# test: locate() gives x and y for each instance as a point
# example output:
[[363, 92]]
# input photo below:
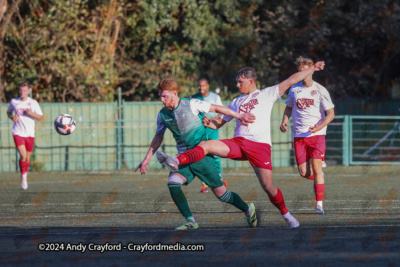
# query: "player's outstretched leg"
[[169, 162], [190, 156]]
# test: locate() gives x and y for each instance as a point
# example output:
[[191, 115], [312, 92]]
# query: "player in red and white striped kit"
[[26, 110], [307, 102]]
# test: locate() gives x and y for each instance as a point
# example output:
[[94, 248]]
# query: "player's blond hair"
[[167, 84], [301, 61]]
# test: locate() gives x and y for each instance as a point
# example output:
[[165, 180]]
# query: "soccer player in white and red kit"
[[307, 102], [26, 110], [251, 142]]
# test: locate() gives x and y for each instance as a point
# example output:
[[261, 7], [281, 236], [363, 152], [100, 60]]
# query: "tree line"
[[84, 50]]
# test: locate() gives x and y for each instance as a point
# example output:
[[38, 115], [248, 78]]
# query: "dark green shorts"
[[212, 134], [206, 169]]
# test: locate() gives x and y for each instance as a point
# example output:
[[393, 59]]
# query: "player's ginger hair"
[[301, 61], [167, 84]]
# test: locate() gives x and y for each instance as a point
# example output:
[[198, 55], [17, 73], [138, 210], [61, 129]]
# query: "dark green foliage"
[[83, 50]]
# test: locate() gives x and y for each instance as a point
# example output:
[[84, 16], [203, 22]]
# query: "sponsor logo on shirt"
[[248, 106], [303, 103], [20, 111]]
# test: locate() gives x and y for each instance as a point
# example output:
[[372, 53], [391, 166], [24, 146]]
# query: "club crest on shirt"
[[248, 106], [313, 93], [303, 103]]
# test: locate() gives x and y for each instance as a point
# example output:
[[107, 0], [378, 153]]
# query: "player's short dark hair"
[[23, 85], [248, 73], [203, 79]]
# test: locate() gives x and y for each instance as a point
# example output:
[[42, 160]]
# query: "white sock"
[[318, 203], [287, 215], [24, 181]]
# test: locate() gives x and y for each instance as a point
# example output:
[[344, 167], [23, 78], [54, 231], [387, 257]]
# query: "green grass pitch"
[[361, 224]]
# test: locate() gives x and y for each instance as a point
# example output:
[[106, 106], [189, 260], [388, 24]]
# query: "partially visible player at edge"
[[205, 95], [251, 142], [183, 118], [26, 110], [308, 101]]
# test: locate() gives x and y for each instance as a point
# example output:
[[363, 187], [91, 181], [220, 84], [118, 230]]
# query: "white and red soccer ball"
[[64, 124]]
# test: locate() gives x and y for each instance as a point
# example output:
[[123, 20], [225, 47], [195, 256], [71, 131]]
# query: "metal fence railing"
[[109, 136], [374, 140]]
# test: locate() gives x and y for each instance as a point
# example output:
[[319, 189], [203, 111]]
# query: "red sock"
[[192, 155], [279, 202], [319, 191], [28, 163], [24, 166], [311, 177]]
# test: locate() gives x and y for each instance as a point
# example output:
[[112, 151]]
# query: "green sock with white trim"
[[235, 200]]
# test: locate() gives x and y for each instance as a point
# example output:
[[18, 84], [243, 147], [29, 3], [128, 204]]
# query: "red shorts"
[[309, 147], [258, 154], [24, 141]]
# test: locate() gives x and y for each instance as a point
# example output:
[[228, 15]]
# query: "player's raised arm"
[[214, 123], [245, 118], [299, 76]]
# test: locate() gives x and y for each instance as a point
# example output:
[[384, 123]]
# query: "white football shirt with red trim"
[[260, 104], [309, 105], [25, 126]]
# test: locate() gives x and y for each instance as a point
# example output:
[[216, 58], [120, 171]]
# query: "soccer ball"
[[64, 124]]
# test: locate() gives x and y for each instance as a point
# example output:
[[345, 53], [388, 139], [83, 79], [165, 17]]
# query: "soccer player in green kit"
[[212, 134], [183, 117]]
